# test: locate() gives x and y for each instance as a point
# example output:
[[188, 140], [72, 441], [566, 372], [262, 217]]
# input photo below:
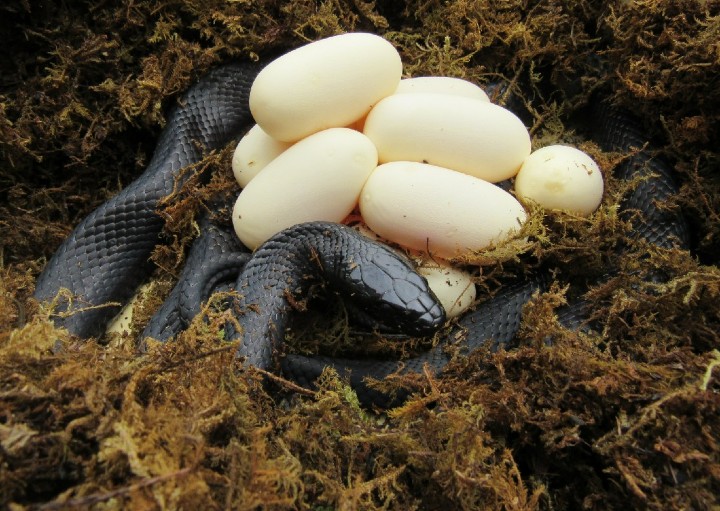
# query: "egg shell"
[[329, 83], [452, 286], [437, 210], [560, 177], [441, 85], [318, 178], [254, 151], [464, 134], [122, 322]]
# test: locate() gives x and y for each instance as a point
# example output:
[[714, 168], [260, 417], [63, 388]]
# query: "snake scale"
[[107, 255]]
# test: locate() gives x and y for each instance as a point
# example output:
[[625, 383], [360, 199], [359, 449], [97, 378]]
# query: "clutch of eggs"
[[338, 128]]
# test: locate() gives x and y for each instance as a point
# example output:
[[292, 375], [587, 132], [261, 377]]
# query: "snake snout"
[[387, 288]]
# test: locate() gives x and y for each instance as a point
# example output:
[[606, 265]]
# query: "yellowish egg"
[[318, 178], [436, 210], [441, 85], [560, 177], [254, 151], [452, 286], [329, 83], [460, 133], [122, 322]]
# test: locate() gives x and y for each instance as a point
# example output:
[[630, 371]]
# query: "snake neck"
[[376, 279]]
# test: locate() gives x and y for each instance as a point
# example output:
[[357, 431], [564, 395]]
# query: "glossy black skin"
[[106, 257], [378, 281]]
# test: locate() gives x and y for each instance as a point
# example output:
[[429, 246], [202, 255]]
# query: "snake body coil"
[[106, 256], [378, 281]]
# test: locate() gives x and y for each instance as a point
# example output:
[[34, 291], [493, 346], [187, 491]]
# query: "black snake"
[[107, 255]]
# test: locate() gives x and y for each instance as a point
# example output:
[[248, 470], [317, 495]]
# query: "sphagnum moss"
[[626, 415]]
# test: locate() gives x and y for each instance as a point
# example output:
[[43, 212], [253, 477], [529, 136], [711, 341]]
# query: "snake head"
[[384, 286]]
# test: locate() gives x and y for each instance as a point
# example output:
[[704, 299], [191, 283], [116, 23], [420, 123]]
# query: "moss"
[[625, 413]]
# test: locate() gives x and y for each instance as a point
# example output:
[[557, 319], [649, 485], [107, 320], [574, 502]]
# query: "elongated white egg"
[[254, 151], [436, 210], [318, 178], [332, 82], [561, 177], [441, 85], [464, 134]]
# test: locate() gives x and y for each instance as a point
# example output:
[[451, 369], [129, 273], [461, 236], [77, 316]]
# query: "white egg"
[[318, 178], [436, 210], [561, 177], [464, 134], [254, 151], [332, 82], [452, 286], [122, 322], [441, 85]]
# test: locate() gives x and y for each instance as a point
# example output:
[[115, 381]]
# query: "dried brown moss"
[[622, 415]]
